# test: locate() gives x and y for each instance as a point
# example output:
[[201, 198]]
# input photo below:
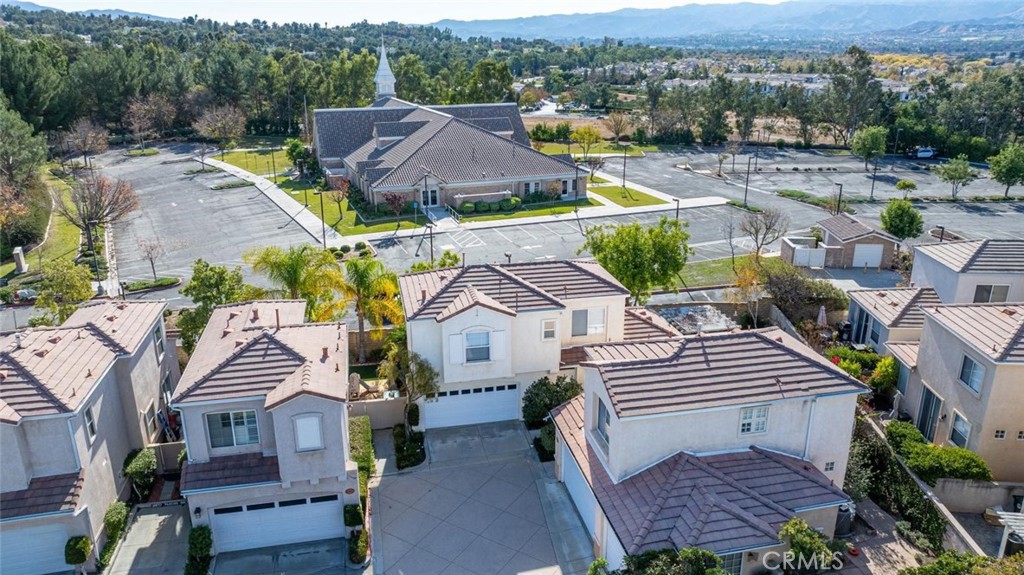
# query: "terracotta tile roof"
[[229, 471], [982, 256], [896, 307], [715, 370], [244, 353], [995, 329], [725, 502], [847, 228], [50, 494], [904, 351], [470, 298], [128, 323], [642, 324], [518, 287]]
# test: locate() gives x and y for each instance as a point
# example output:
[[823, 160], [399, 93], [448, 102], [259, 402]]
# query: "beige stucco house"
[[964, 383], [878, 316], [262, 404], [710, 441], [74, 401], [972, 271]]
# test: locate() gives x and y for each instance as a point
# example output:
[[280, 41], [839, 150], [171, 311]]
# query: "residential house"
[[75, 400], [850, 243], [710, 441], [964, 384], [490, 330], [878, 316], [263, 409], [437, 155], [972, 271]]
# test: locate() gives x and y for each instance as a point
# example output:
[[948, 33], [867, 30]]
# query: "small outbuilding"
[[850, 243]]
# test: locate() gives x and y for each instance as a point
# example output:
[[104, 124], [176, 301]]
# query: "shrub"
[[516, 202], [7, 294], [885, 376], [900, 434], [115, 519], [360, 246], [200, 542], [365, 253], [933, 462], [467, 207], [357, 549], [345, 249], [483, 207], [780, 143], [547, 436], [353, 515], [506, 204], [413, 415], [867, 359], [851, 367], [182, 456], [140, 469], [495, 206], [804, 541], [77, 550], [544, 395], [408, 450], [949, 563], [361, 439]]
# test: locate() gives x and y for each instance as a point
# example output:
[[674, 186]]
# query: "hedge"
[[409, 450], [361, 437], [114, 522], [140, 469], [867, 359], [467, 207], [77, 550], [933, 462], [357, 549], [900, 433], [353, 515], [200, 543]]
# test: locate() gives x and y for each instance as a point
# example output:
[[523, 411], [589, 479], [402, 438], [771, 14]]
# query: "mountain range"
[[798, 17], [113, 13]]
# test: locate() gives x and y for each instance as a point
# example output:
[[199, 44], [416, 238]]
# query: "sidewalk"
[[312, 224]]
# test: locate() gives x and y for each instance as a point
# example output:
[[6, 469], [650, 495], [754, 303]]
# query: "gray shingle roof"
[[722, 503], [896, 307], [846, 228], [716, 370], [982, 256], [478, 112]]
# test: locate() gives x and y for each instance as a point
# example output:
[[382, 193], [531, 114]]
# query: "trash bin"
[[1014, 544], [844, 521]]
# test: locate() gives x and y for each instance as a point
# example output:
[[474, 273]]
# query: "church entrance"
[[428, 198]]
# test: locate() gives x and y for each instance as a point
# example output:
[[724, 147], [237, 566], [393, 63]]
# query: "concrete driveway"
[[312, 558], [481, 505], [156, 544]]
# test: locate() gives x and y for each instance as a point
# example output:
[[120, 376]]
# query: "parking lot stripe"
[[524, 230]]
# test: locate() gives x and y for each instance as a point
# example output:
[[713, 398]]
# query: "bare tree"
[[729, 231], [764, 227], [721, 160], [338, 194], [595, 164], [836, 204], [149, 116], [733, 148], [224, 124], [202, 151], [87, 137], [618, 124], [151, 250], [96, 201]]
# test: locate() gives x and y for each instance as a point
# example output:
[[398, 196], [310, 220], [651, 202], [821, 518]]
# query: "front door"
[[428, 198], [928, 415]]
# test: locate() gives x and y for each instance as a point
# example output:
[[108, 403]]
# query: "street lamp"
[[623, 166], [757, 146], [839, 200], [895, 150], [746, 184], [430, 230], [874, 175], [323, 216], [676, 200]]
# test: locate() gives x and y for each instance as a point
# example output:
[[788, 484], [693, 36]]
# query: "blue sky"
[[344, 12]]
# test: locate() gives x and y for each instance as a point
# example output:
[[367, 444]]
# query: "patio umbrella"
[[822, 319]]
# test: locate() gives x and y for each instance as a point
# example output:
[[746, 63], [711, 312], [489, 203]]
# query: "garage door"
[[869, 255], [277, 523], [579, 489], [33, 550], [475, 405]]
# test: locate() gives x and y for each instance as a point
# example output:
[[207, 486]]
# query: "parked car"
[[922, 153]]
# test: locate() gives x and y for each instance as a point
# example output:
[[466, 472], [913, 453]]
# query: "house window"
[[732, 563], [233, 428], [753, 420], [158, 341], [830, 466], [536, 187], [478, 346], [90, 422], [308, 433], [1000, 434], [565, 187], [549, 329], [971, 374], [901, 383], [876, 332], [1020, 436], [604, 420], [167, 388], [575, 185], [961, 430], [587, 322], [990, 293], [151, 420]]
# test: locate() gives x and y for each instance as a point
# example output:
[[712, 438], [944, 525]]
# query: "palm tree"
[[374, 290], [302, 272]]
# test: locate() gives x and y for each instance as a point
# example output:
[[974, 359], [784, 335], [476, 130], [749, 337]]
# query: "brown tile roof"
[[904, 351], [725, 502], [896, 307], [229, 471], [244, 353], [643, 324], [995, 329], [715, 370], [126, 322], [517, 287], [847, 228], [983, 256], [50, 494], [470, 298]]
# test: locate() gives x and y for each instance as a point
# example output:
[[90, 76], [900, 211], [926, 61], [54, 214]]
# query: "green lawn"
[[345, 224], [711, 272], [261, 162], [261, 141], [530, 211], [599, 148], [596, 180], [63, 239], [625, 197]]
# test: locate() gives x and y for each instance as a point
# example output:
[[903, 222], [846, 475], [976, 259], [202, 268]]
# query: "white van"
[[922, 153]]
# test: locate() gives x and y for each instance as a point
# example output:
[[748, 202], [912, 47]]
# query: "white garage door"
[[33, 550], [475, 405], [277, 523], [869, 255], [578, 489]]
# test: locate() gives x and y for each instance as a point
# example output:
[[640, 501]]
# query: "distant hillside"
[[113, 13], [794, 17]]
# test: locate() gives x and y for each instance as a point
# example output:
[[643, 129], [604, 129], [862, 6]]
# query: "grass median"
[[625, 197]]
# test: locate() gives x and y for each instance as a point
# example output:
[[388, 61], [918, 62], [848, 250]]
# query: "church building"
[[437, 155]]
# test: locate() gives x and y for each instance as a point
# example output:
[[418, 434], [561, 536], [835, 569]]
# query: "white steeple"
[[384, 79]]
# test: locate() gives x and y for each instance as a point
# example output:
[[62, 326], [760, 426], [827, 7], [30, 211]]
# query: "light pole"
[[430, 230], [874, 175], [746, 184], [756, 148], [895, 150], [942, 233], [323, 217], [623, 166], [839, 200], [676, 200]]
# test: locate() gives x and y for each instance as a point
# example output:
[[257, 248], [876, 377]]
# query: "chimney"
[[700, 328], [325, 354], [277, 315], [88, 372], [17, 340], [255, 314], [423, 295]]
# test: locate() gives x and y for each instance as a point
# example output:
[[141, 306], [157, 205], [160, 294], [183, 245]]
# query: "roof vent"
[[111, 317], [88, 372], [239, 342], [227, 331], [122, 305], [881, 294], [17, 340], [1008, 311], [233, 315], [325, 354], [700, 328], [42, 352], [255, 314], [3, 374], [423, 295], [54, 339]]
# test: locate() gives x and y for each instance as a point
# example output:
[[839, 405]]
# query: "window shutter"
[[456, 349], [497, 345]]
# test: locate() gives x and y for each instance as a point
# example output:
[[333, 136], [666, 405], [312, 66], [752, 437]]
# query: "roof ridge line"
[[35, 382], [106, 337], [524, 283], [974, 256], [778, 458], [910, 305], [510, 140], [722, 476], [1009, 342], [418, 148], [427, 302], [232, 356], [659, 503], [744, 515], [576, 264]]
